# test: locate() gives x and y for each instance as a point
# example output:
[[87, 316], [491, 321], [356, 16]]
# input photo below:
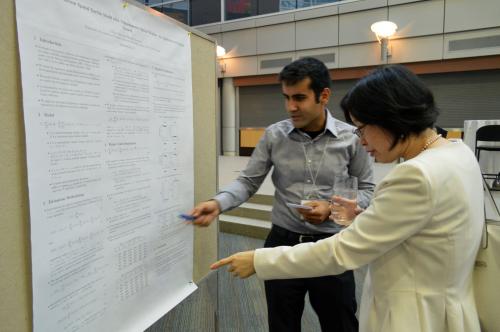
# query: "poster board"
[[15, 310]]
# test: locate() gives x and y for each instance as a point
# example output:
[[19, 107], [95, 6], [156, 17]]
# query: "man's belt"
[[297, 237]]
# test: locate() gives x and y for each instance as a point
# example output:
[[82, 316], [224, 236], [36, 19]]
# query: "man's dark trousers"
[[332, 297]]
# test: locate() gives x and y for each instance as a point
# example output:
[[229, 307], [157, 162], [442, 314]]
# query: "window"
[[198, 12], [205, 11], [178, 10]]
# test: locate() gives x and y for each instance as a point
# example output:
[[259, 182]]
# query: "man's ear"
[[325, 96]]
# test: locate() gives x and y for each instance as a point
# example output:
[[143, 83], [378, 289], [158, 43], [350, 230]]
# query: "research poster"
[[107, 102]]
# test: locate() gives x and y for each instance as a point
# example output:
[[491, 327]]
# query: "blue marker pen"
[[187, 217]]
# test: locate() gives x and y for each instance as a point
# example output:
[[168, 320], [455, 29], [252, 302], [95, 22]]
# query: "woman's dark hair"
[[304, 68], [393, 98]]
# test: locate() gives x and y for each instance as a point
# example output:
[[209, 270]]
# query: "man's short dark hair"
[[393, 98], [304, 68]]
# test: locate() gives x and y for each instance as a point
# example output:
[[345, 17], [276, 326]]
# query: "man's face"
[[300, 103]]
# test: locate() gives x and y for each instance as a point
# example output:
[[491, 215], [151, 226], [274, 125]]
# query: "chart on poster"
[[107, 103]]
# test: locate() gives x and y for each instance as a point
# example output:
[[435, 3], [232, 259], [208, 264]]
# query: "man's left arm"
[[361, 166]]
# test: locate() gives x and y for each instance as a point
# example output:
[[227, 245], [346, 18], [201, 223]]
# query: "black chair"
[[490, 133], [441, 131]]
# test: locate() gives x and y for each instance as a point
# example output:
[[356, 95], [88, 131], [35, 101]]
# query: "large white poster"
[[109, 131]]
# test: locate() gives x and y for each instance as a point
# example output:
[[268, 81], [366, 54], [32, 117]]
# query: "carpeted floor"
[[226, 304], [242, 303]]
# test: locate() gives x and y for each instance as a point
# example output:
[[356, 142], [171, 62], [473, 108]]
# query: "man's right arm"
[[205, 212], [241, 189], [250, 179]]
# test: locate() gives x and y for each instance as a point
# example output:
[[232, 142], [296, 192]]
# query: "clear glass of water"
[[346, 187]]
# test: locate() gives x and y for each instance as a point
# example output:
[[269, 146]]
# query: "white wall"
[[425, 31]]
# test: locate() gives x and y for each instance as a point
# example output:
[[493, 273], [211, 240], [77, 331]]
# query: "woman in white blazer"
[[422, 230]]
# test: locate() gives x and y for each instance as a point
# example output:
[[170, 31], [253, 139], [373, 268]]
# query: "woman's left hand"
[[240, 264]]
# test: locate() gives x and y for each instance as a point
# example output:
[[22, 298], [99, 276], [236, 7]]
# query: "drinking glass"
[[346, 187]]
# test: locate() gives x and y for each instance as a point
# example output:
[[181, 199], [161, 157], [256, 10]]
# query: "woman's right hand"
[[344, 210]]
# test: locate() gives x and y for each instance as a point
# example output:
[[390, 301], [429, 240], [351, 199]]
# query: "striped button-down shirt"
[[283, 149]]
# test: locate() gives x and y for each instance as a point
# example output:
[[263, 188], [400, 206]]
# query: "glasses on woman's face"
[[359, 131]]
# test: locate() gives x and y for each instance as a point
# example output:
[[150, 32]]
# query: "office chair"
[[441, 131], [490, 133]]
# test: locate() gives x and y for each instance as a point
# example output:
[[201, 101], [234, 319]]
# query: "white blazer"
[[420, 236]]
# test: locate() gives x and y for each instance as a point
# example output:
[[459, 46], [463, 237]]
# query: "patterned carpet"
[[242, 303]]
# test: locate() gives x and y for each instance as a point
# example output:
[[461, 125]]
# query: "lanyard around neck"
[[309, 161]]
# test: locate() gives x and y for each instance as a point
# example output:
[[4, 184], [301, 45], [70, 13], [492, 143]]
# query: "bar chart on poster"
[[107, 102]]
